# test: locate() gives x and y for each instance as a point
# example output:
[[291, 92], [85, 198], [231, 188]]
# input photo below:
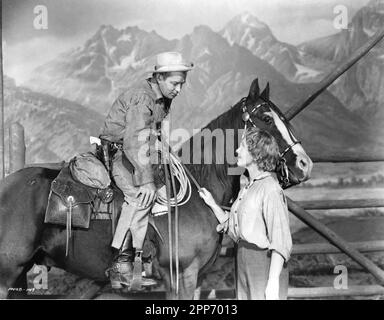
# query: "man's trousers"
[[133, 217]]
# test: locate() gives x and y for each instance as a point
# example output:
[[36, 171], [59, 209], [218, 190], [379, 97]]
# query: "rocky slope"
[[249, 32], [55, 128]]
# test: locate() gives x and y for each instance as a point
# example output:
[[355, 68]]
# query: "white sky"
[[71, 22]]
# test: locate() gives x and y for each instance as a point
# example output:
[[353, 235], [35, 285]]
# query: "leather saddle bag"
[[70, 202]]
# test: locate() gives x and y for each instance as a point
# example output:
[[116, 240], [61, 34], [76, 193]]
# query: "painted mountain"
[[55, 128], [296, 65], [109, 62], [361, 89]]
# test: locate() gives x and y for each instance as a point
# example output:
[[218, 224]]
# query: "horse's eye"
[[267, 120]]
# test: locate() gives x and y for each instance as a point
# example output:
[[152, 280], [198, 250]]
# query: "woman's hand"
[[272, 289], [207, 197]]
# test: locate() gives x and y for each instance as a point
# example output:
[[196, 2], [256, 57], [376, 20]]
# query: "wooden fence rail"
[[327, 292], [305, 292], [340, 158], [341, 204], [320, 248]]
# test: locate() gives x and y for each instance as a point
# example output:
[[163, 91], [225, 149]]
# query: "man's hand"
[[147, 194]]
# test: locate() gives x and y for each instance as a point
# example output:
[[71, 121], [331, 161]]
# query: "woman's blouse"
[[260, 216]]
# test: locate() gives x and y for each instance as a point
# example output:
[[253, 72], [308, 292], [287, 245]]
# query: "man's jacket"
[[134, 120]]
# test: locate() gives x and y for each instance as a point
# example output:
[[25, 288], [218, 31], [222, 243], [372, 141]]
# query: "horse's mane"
[[231, 119]]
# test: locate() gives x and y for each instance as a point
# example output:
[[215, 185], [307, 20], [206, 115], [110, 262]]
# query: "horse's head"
[[294, 165]]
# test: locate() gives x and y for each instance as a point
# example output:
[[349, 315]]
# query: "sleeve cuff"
[[222, 227], [284, 252]]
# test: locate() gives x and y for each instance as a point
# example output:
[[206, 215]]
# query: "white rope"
[[185, 185]]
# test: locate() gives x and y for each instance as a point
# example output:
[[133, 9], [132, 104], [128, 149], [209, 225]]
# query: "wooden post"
[[16, 147], [337, 241], [2, 159]]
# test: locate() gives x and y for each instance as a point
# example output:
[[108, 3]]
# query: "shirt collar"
[[155, 87], [260, 176], [160, 99]]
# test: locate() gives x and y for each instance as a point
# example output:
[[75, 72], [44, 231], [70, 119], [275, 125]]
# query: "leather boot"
[[125, 273], [120, 273]]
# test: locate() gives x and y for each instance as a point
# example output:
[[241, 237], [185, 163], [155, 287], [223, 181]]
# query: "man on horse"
[[133, 121]]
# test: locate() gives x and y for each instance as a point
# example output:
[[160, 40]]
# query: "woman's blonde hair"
[[263, 148]]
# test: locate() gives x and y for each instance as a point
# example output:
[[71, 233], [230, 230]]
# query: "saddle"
[[74, 204]]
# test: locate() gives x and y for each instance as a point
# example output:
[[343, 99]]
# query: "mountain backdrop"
[[66, 99], [361, 89]]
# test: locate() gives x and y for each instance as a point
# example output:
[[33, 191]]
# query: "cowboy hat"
[[171, 61]]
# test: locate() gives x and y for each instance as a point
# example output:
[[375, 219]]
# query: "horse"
[[25, 239]]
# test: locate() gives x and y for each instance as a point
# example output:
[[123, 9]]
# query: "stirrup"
[[138, 281]]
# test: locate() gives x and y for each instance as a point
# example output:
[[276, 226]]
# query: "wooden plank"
[[326, 292], [297, 293], [319, 248], [340, 158], [341, 204], [336, 240]]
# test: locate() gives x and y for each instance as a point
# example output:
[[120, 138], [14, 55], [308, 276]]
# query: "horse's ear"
[[254, 91], [265, 94]]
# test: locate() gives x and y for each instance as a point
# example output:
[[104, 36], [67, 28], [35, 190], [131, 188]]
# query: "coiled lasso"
[[179, 173]]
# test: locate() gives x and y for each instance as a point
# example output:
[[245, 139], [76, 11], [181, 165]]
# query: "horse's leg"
[[197, 293], [165, 276], [23, 197], [3, 292], [13, 281], [14, 265], [20, 287], [188, 281]]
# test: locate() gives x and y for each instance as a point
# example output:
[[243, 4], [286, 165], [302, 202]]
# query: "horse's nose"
[[304, 163]]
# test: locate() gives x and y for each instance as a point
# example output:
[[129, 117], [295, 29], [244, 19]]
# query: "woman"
[[258, 222]]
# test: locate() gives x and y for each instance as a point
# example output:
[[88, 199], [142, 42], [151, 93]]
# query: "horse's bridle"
[[281, 168]]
